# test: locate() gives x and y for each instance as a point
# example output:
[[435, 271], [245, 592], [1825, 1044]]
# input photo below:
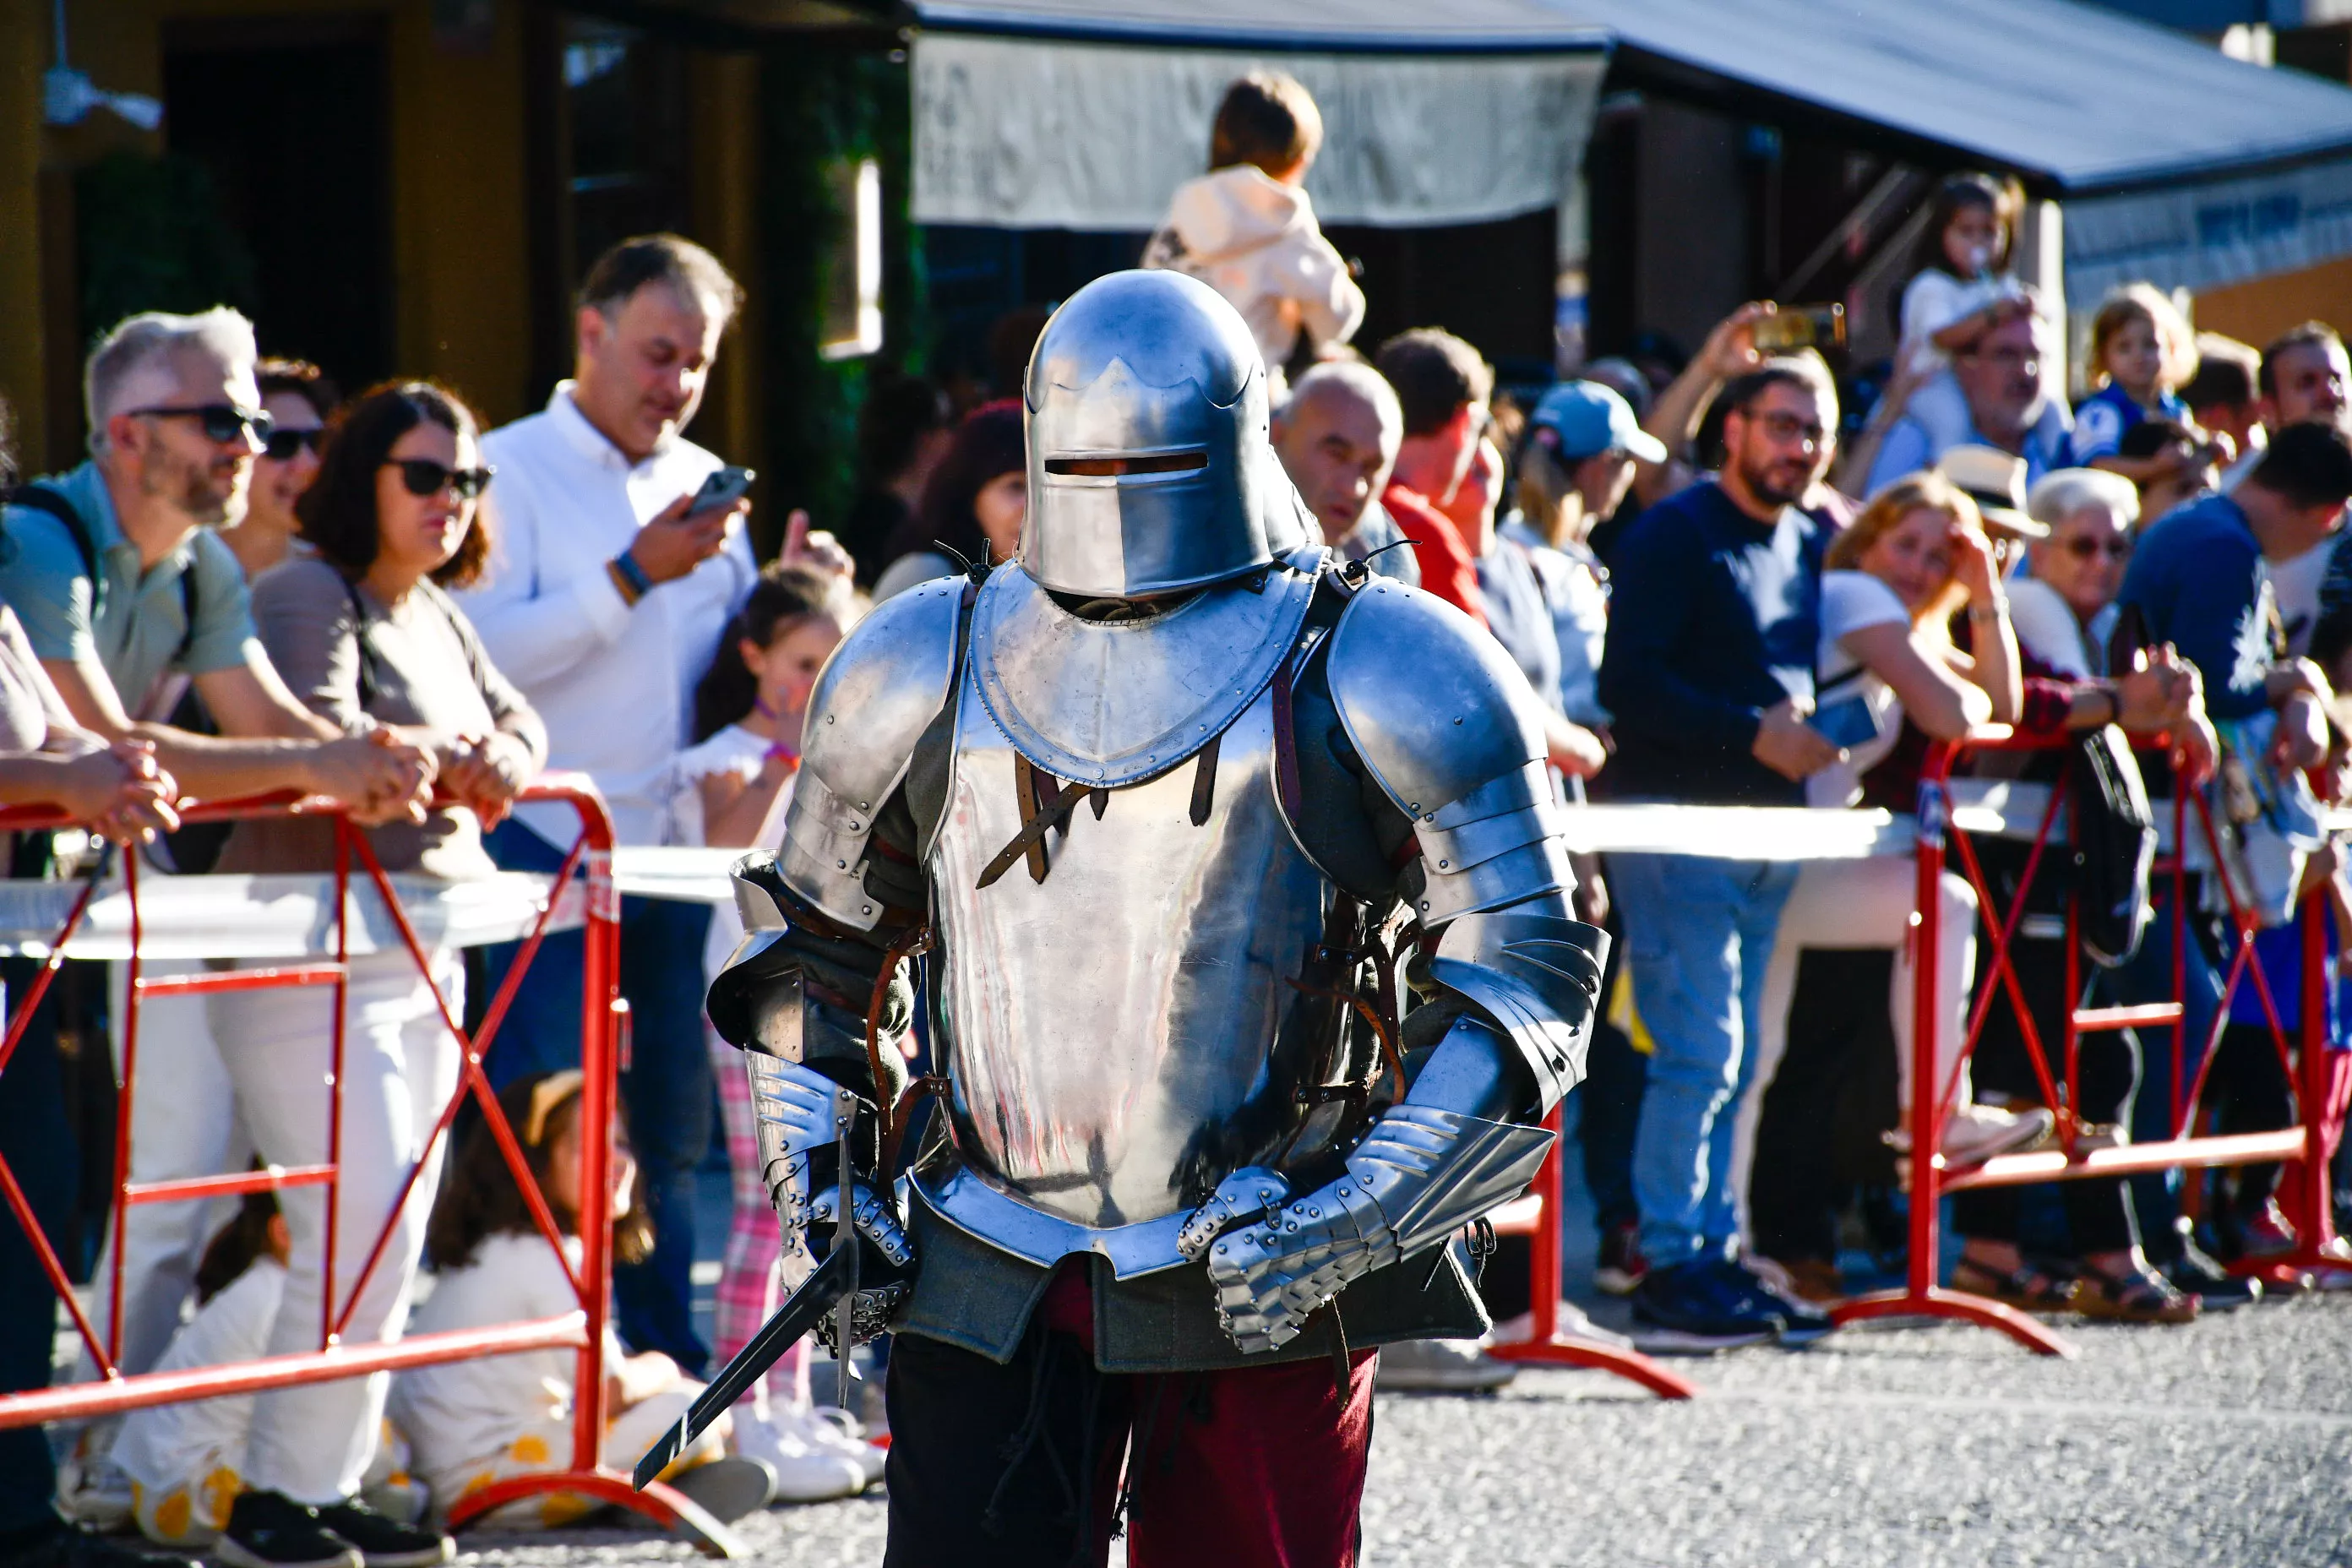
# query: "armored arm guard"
[[1445, 725], [818, 917]]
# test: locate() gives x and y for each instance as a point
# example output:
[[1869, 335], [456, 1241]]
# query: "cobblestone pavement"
[[2227, 1442]]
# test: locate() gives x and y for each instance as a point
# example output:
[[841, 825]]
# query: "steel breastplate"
[[1110, 702], [1110, 1030]]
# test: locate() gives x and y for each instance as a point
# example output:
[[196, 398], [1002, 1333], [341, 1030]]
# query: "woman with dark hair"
[[973, 506], [903, 431], [299, 398], [364, 635]]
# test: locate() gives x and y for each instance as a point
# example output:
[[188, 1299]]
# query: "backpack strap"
[[41, 498], [370, 685]]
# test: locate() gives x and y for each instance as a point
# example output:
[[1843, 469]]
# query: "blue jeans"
[[666, 1090], [1699, 938]]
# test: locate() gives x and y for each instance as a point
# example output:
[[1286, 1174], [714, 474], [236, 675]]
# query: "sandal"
[[2133, 1298], [2026, 1288]]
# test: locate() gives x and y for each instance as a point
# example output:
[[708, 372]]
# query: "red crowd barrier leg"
[[588, 1476], [1921, 1295], [1544, 1345]]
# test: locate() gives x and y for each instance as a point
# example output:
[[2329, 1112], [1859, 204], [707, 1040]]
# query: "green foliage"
[[819, 107], [150, 236]]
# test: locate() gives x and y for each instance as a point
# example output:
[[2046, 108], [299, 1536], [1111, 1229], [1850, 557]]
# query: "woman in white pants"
[[1893, 581], [364, 634]]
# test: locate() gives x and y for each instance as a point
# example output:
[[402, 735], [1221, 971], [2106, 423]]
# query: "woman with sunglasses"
[[300, 399], [2065, 612], [364, 634]]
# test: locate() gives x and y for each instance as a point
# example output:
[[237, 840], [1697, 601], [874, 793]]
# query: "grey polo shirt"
[[138, 633]]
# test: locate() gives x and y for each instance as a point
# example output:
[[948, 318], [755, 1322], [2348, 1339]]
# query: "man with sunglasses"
[[145, 589]]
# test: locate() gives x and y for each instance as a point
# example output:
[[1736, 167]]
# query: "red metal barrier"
[[582, 1329], [2314, 1074], [1537, 1216]]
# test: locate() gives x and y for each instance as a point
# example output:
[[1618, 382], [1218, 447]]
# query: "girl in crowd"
[[1961, 288], [732, 787], [1893, 580], [476, 1422], [363, 632], [2141, 352], [973, 505]]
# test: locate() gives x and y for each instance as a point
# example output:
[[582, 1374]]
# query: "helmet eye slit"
[[1105, 468]]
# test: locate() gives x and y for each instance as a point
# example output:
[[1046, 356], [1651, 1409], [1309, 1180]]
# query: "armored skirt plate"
[[1110, 1030], [1109, 703]]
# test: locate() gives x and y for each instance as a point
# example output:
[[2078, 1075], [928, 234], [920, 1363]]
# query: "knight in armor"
[[1236, 882]]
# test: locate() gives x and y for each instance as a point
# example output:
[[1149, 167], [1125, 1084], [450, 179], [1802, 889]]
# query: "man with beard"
[[2003, 378], [127, 596], [1708, 670], [122, 581]]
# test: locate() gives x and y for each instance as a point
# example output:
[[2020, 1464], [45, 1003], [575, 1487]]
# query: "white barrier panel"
[[276, 916]]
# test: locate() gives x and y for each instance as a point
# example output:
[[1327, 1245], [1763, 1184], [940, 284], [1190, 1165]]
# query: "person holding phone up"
[[615, 572]]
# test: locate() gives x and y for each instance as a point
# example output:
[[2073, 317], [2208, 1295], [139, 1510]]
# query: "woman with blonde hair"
[[1892, 584]]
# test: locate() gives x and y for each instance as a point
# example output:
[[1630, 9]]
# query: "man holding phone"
[[620, 554]]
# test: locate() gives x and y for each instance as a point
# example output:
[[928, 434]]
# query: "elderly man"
[[1337, 438], [2002, 378], [126, 595], [604, 604]]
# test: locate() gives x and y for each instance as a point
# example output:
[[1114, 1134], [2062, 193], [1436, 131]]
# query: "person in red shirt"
[[1444, 386]]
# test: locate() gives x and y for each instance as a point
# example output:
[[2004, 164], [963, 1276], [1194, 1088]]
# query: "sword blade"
[[845, 1246], [833, 1282]]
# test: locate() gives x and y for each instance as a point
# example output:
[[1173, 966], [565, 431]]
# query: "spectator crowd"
[[1723, 588]]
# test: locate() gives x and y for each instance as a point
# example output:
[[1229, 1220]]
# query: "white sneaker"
[[1456, 1366], [1977, 1132], [804, 1473], [830, 1429], [94, 1493], [1570, 1320]]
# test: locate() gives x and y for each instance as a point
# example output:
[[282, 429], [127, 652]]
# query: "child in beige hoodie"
[[1247, 230]]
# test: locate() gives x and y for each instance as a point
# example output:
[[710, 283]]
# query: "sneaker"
[[63, 1546], [804, 1473], [2265, 1233], [1692, 1309], [1975, 1133], [94, 1493], [728, 1487], [830, 1429], [1621, 1264], [1801, 1322], [1569, 1321], [2216, 1290], [385, 1541], [1441, 1366], [271, 1529]]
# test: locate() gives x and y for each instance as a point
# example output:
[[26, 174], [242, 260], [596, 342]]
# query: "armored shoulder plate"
[[880, 689], [1445, 725]]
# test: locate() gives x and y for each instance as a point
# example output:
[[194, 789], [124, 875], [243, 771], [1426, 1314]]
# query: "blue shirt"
[[137, 635], [2101, 419], [1713, 618], [2197, 578]]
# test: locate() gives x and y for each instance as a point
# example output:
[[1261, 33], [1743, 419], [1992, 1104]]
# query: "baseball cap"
[[1581, 419]]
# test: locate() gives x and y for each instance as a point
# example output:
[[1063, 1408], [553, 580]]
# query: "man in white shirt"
[[605, 602]]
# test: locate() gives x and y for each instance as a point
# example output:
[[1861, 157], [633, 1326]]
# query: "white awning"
[[1024, 132]]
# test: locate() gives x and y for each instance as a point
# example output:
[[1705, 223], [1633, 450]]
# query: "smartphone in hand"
[[722, 490]]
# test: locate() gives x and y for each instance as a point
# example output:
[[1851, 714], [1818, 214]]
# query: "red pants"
[[1022, 1464]]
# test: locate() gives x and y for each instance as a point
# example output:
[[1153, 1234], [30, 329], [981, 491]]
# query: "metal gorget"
[[1110, 702], [1110, 1026]]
